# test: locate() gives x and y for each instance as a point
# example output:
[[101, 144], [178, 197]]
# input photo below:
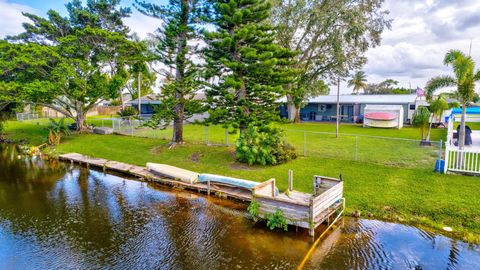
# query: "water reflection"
[[54, 215]]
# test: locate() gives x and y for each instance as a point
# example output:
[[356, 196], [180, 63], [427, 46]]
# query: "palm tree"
[[464, 80], [358, 81], [421, 118], [437, 107]]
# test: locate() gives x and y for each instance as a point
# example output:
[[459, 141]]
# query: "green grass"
[[392, 191]]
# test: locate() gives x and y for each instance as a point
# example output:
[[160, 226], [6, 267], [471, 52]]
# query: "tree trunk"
[[297, 115], [177, 136], [122, 102], [179, 107], [429, 127], [80, 120], [291, 109], [461, 135]]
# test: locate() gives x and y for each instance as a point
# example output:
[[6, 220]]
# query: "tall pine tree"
[[180, 20], [246, 68]]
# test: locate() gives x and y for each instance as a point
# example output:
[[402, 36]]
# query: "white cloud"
[[11, 18], [142, 24], [422, 32]]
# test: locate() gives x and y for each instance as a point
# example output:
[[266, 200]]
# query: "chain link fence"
[[27, 116], [389, 151]]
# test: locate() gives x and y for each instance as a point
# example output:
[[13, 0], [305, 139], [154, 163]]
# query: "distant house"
[[352, 107], [149, 102]]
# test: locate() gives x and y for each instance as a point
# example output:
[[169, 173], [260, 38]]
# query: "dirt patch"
[[241, 166], [232, 154], [158, 149], [195, 157]]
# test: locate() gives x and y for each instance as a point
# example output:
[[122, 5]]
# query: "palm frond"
[[437, 83], [476, 77], [452, 56]]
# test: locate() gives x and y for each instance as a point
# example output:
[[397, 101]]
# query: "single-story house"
[[352, 107], [148, 103]]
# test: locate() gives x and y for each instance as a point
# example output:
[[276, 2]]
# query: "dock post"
[[273, 188], [440, 145], [290, 180], [311, 231], [208, 187]]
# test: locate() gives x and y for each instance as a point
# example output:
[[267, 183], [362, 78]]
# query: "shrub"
[[128, 111], [264, 146], [56, 129], [253, 208], [277, 220], [115, 102]]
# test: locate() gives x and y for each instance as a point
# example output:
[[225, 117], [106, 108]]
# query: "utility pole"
[[139, 95], [338, 107], [470, 49]]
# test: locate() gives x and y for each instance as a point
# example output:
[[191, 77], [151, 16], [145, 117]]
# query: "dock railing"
[[302, 209], [457, 160]]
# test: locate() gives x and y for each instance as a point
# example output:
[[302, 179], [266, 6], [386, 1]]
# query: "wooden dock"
[[300, 209], [143, 174]]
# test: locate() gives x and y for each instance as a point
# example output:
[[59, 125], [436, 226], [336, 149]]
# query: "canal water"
[[57, 216]]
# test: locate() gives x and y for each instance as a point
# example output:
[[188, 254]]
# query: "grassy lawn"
[[390, 190]]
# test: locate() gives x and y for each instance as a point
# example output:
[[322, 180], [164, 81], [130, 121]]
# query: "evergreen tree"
[[180, 20], [246, 68]]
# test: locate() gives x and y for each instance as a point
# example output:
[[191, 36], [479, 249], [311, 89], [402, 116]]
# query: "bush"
[[115, 102], [277, 220], [128, 111], [253, 209], [264, 146], [56, 129]]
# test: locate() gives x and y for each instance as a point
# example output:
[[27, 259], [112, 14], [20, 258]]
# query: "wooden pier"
[[300, 209], [143, 174]]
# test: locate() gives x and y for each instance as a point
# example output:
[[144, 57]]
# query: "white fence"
[[462, 161], [26, 116], [466, 160]]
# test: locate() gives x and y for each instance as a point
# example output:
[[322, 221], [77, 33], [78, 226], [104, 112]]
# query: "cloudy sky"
[[411, 52]]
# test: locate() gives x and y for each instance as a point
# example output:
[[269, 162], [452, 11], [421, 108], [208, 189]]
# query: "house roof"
[[148, 99], [365, 99], [156, 99]]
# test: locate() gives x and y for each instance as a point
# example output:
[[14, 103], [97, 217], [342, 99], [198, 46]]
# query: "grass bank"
[[407, 194]]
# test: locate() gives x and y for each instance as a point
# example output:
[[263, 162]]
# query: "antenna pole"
[[470, 49]]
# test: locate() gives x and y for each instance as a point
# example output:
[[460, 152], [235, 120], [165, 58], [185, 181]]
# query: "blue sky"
[[412, 52]]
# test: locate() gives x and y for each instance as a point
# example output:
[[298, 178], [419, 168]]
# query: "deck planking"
[[142, 173]]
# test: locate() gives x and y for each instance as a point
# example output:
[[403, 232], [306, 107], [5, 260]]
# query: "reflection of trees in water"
[[366, 244], [354, 247], [75, 208]]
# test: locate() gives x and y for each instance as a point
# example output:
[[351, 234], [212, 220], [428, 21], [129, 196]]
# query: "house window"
[[322, 107], [412, 106], [329, 106]]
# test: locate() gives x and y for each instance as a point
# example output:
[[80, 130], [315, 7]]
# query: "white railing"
[[460, 161], [449, 141], [463, 161]]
